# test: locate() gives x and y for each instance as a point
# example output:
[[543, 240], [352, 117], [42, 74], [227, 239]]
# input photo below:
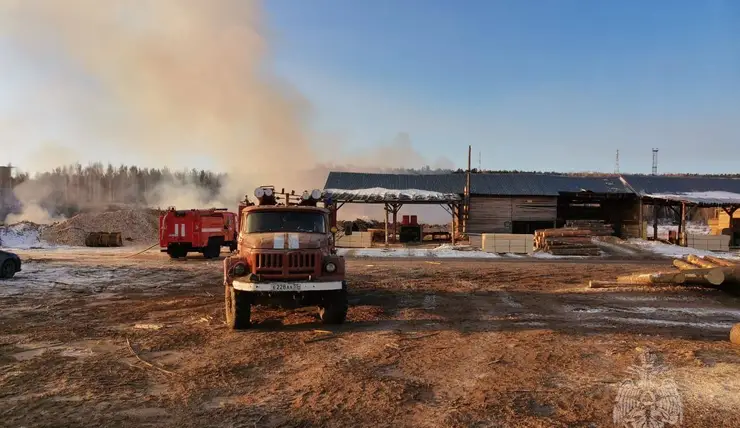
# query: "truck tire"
[[176, 252], [212, 251], [238, 309], [7, 270], [334, 308]]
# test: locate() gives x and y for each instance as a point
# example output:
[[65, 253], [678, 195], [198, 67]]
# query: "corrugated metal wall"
[[494, 215]]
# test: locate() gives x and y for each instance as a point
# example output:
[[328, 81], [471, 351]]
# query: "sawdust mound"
[[137, 227]]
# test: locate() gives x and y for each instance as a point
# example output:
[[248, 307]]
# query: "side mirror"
[[348, 229]]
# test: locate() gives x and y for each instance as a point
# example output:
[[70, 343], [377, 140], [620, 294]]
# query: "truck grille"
[[283, 264], [269, 261], [301, 262]]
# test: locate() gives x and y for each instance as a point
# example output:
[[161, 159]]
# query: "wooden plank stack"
[[573, 240], [708, 270]]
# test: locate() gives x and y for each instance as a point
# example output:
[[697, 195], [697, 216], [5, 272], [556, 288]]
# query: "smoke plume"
[[171, 80]]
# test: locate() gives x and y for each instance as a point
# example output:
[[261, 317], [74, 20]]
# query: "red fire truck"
[[202, 231]]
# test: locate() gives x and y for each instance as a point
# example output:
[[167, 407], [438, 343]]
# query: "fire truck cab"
[[285, 257], [203, 231]]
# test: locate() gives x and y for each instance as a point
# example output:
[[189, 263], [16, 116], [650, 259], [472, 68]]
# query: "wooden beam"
[[640, 218], [386, 208], [656, 209], [682, 225]]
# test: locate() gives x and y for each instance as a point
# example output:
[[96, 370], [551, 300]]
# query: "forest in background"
[[68, 190]]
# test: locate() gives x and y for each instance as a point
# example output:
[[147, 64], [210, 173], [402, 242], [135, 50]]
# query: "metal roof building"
[[700, 191], [484, 184], [521, 202]]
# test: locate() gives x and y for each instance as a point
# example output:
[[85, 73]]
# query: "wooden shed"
[[525, 202]]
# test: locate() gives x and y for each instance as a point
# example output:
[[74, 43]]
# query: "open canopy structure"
[[395, 191], [684, 193]]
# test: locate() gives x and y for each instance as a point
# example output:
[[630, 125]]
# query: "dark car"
[[9, 264]]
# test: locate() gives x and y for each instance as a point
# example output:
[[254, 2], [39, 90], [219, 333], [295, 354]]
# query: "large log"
[[653, 278], [732, 274], [682, 265], [556, 233], [720, 262], [713, 276], [700, 262], [612, 284]]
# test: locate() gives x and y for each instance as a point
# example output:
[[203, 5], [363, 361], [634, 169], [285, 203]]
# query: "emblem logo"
[[650, 399]]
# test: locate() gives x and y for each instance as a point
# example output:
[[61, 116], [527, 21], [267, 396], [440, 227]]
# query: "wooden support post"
[[682, 226], [656, 209], [396, 208], [452, 229], [640, 219], [386, 224]]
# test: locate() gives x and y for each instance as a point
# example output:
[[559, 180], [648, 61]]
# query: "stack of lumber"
[[572, 241], [708, 270], [598, 227]]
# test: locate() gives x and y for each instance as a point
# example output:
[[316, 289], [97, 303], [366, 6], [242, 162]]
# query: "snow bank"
[[691, 228], [544, 255], [21, 235], [677, 251], [443, 251]]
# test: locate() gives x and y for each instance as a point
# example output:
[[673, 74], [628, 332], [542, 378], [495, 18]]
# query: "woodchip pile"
[[137, 227], [575, 239]]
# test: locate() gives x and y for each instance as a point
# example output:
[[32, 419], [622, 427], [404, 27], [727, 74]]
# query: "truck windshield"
[[285, 221]]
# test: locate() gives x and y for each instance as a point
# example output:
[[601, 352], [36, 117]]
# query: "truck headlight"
[[240, 269], [330, 267]]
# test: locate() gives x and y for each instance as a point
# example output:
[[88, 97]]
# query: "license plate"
[[286, 287]]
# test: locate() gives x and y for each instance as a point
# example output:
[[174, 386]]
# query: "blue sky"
[[557, 85], [532, 85]]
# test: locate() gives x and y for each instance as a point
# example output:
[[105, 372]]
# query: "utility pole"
[[479, 163], [655, 161], [616, 164], [466, 198]]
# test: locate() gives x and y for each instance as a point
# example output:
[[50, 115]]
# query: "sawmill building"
[[509, 202]]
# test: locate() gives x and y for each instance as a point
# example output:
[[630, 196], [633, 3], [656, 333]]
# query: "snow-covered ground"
[[21, 236], [691, 228], [443, 251], [545, 255], [677, 251]]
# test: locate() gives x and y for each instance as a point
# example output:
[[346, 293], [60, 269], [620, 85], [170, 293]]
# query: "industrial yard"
[[108, 337]]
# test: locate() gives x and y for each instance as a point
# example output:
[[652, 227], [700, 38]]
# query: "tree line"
[[68, 189]]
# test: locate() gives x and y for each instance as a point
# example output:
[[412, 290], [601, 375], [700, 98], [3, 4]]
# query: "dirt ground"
[[493, 343]]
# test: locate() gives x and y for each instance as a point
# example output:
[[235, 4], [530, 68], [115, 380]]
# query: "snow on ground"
[[691, 228], [677, 251], [544, 255], [22, 235], [443, 251]]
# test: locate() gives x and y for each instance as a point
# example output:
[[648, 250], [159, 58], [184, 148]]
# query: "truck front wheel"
[[238, 308], [334, 308]]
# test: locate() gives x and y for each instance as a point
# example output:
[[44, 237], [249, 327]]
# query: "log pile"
[[573, 240], [708, 271]]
